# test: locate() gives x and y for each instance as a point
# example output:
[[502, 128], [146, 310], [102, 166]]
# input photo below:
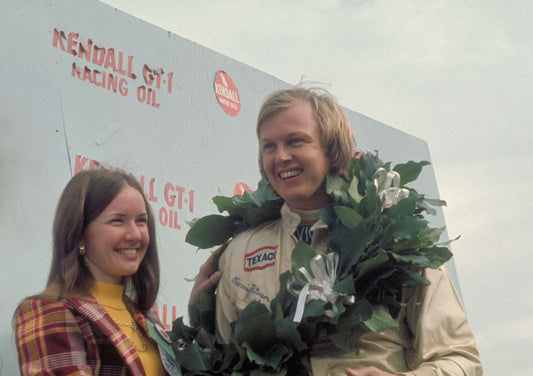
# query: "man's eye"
[[268, 147], [295, 141]]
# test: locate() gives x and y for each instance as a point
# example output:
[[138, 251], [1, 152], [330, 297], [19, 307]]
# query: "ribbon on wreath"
[[388, 187], [317, 285]]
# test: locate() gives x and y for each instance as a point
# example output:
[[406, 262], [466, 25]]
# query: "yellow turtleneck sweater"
[[110, 296]]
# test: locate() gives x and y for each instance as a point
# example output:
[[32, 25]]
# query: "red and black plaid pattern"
[[73, 337]]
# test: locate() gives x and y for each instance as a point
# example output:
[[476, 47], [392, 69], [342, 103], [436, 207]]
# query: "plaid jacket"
[[74, 337]]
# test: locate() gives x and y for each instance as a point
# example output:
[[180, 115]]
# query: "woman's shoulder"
[[42, 301], [48, 308], [43, 317]]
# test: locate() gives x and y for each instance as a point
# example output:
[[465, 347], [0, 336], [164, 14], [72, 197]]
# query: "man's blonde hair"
[[336, 135]]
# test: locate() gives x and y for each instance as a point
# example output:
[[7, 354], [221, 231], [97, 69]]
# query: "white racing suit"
[[432, 338]]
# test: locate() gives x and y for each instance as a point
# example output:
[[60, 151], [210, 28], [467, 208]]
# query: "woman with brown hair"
[[94, 318]]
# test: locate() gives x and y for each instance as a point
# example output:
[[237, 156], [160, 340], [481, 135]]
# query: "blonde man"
[[303, 136]]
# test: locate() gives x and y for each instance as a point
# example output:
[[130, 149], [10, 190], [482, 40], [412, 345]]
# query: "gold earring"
[[82, 250]]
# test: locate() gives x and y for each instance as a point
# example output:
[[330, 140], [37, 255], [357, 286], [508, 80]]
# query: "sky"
[[454, 73]]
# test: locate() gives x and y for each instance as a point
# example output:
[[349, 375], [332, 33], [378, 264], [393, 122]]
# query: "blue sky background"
[[454, 73]]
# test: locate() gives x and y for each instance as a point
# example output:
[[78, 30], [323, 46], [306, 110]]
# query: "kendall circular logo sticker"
[[240, 188], [227, 94]]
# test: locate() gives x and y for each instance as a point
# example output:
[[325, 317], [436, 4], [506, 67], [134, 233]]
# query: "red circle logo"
[[240, 188], [227, 94]]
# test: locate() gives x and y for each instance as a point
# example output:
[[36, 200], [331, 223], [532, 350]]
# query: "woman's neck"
[[109, 294]]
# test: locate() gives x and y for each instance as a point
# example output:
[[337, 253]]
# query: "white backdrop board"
[[82, 84]]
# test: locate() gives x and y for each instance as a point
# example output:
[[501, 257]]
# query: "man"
[[304, 136]]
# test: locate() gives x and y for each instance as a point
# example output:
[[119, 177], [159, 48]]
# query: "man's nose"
[[283, 154]]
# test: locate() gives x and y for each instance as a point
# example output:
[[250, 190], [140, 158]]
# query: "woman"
[[93, 318]]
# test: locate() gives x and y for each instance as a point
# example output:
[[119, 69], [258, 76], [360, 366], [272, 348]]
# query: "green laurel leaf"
[[380, 320], [409, 171], [348, 216], [210, 231], [302, 256], [255, 326], [337, 186]]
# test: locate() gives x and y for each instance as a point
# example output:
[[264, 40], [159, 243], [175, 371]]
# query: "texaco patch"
[[261, 258]]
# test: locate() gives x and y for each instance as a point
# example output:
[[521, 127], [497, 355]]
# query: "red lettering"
[[164, 319], [191, 200], [76, 71], [120, 61], [101, 79], [141, 94], [168, 325], [180, 190], [151, 98], [158, 81], [130, 68], [58, 39], [79, 163], [158, 74], [87, 75], [174, 220], [110, 59], [99, 55], [169, 199], [94, 164], [169, 218], [86, 51], [147, 75], [123, 87], [95, 78], [112, 82], [163, 216], [72, 43], [104, 79], [169, 78], [151, 195]]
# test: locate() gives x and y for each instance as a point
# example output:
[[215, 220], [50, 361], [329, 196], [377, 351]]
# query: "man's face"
[[294, 161]]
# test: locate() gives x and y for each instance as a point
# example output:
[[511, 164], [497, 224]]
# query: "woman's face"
[[116, 241]]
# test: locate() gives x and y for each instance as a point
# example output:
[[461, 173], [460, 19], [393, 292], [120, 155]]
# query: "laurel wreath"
[[382, 241]]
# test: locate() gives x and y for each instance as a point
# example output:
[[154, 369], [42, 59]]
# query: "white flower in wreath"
[[388, 187], [317, 285]]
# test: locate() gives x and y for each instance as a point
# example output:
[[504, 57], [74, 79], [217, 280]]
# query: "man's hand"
[[207, 278], [367, 371]]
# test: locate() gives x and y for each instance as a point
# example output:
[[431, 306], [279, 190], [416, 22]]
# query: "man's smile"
[[289, 174]]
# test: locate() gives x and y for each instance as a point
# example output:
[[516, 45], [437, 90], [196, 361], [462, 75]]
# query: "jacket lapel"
[[95, 313]]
